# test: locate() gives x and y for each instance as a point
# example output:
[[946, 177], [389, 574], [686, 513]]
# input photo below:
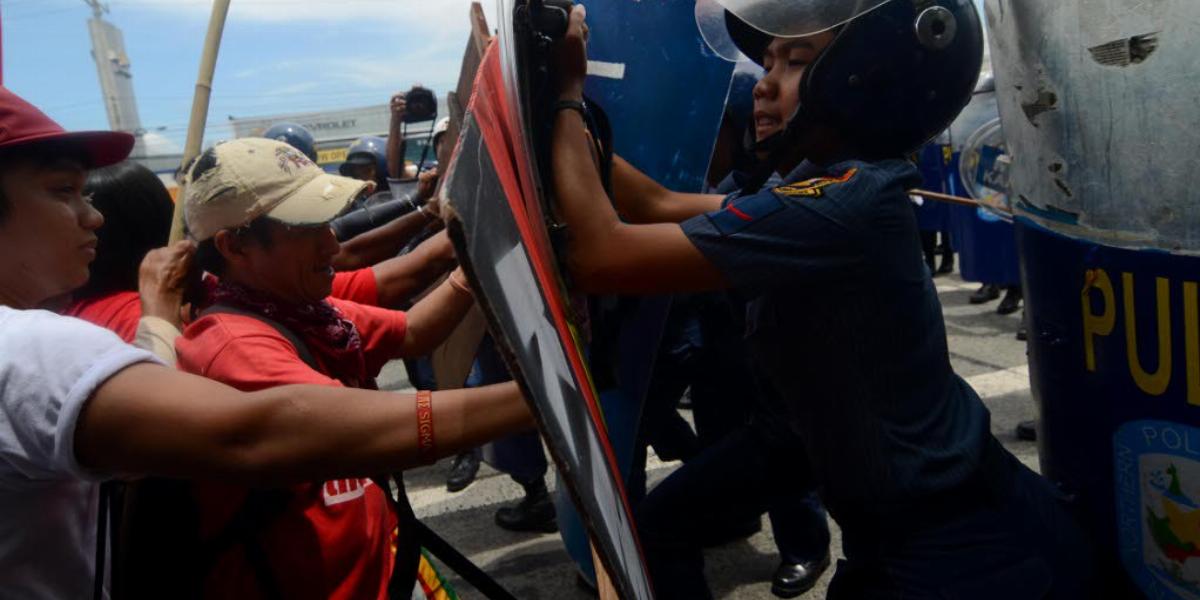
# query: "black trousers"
[[743, 476]]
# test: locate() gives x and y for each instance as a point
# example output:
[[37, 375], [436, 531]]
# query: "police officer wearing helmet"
[[366, 160], [844, 320], [294, 135], [741, 462]]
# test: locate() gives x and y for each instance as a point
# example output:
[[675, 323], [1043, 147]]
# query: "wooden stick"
[[940, 197], [199, 119], [605, 589]]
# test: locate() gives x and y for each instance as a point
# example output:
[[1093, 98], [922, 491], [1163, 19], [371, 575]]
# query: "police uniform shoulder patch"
[[813, 188]]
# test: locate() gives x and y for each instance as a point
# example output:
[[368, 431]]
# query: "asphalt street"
[[983, 349]]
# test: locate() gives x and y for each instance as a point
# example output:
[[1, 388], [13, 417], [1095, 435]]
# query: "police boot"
[[947, 262], [462, 471], [1027, 431], [535, 512], [1011, 302], [793, 579], [986, 293]]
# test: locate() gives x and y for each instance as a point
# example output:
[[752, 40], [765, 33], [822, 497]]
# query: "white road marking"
[[1000, 383]]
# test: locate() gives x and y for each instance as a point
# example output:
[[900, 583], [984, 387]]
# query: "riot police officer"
[[366, 160], [746, 464], [294, 135], [844, 320]]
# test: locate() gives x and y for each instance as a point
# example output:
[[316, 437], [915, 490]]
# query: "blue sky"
[[276, 56]]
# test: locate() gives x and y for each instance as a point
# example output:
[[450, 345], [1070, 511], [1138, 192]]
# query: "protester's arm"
[[642, 200], [606, 255], [162, 281], [434, 318], [395, 141], [381, 243], [203, 429], [157, 337], [400, 279]]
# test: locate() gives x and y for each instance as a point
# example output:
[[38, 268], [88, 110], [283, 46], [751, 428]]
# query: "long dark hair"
[[137, 211]]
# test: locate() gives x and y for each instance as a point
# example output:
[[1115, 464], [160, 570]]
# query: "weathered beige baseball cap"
[[238, 181]]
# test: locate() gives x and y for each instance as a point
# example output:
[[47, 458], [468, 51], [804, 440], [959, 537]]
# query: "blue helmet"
[[897, 73], [294, 135], [368, 149]]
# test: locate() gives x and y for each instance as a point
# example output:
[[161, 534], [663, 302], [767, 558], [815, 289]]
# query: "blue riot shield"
[[664, 93], [1098, 106]]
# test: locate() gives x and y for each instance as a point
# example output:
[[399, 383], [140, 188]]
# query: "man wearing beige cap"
[[78, 406], [260, 211]]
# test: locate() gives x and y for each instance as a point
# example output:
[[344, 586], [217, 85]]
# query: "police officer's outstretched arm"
[[606, 255], [643, 200]]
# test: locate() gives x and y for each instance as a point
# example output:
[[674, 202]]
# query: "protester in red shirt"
[[259, 211], [137, 213]]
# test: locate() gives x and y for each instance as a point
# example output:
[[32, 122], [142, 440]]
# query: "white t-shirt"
[[49, 366]]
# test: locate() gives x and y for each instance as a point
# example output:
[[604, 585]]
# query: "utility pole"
[[113, 69]]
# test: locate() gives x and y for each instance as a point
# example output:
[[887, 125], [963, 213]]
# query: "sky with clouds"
[[277, 56]]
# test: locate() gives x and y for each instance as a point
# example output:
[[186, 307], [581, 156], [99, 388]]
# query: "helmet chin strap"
[[777, 146]]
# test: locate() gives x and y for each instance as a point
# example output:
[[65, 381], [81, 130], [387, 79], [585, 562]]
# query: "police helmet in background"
[[367, 151], [294, 135], [897, 73]]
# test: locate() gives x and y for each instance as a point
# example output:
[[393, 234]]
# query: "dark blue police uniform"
[[846, 325], [746, 465]]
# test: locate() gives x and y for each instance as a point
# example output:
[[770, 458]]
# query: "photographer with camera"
[[417, 105]]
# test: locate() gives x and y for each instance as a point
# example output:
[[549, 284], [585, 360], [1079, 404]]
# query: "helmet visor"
[[710, 20], [794, 18]]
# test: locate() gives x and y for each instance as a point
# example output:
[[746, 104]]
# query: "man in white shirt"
[[78, 406]]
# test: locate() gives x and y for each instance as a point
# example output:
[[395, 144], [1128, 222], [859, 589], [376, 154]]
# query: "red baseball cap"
[[22, 123]]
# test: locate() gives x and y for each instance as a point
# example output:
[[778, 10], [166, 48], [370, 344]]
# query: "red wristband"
[[425, 423]]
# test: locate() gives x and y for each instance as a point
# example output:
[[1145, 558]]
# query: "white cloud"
[[433, 65], [433, 17]]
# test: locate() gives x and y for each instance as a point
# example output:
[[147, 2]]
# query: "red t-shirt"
[[335, 538], [356, 286], [118, 312]]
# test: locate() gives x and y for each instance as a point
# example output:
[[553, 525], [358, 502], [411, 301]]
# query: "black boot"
[[929, 250], [1011, 302], [947, 261], [535, 512], [793, 579], [986, 293], [462, 471], [1027, 431]]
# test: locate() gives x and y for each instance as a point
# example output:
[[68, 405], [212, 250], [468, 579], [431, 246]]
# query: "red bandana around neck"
[[328, 335]]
